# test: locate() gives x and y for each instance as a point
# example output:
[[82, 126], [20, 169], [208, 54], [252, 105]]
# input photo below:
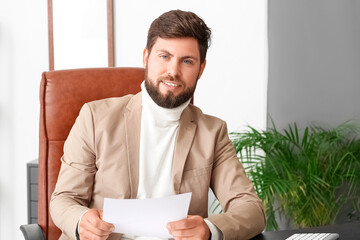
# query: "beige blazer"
[[101, 159]]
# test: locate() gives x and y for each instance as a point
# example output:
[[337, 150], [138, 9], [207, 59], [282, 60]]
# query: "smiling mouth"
[[171, 84]]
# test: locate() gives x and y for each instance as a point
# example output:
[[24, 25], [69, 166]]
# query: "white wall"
[[233, 85], [23, 56]]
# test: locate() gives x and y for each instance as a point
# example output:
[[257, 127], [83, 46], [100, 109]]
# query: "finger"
[[193, 227], [189, 222], [93, 231], [92, 224], [97, 221], [181, 224], [102, 225], [99, 227], [183, 233], [196, 232], [90, 236]]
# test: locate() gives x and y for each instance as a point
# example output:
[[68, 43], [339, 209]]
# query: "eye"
[[164, 57], [187, 61]]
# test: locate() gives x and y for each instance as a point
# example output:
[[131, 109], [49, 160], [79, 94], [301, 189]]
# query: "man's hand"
[[193, 227], [93, 227]]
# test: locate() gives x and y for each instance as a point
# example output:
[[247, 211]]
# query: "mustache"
[[170, 78]]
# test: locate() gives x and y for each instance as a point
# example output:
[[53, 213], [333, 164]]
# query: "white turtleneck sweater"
[[159, 127]]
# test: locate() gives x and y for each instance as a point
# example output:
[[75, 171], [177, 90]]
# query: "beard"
[[168, 100]]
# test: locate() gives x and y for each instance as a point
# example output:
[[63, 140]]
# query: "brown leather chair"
[[62, 94]]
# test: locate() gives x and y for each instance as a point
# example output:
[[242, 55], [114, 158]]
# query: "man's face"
[[172, 69]]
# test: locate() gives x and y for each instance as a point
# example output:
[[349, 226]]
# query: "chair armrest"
[[32, 232]]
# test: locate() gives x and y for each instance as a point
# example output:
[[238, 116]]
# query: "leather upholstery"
[[62, 94]]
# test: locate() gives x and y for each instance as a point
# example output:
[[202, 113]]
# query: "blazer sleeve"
[[73, 189], [243, 212]]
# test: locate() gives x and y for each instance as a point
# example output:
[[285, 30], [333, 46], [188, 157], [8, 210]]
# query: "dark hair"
[[180, 24]]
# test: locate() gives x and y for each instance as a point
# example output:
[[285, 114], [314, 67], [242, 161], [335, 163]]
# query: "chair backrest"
[[62, 94]]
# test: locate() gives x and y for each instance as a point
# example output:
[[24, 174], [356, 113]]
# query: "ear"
[[145, 57], [202, 67]]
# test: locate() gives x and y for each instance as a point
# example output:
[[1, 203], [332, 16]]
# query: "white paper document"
[[146, 217]]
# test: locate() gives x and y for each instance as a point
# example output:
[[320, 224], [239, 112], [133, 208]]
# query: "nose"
[[173, 68]]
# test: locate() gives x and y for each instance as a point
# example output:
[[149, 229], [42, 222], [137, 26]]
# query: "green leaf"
[[302, 171]]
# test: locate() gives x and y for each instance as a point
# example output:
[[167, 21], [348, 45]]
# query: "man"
[[156, 144]]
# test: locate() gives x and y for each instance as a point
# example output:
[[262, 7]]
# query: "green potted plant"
[[306, 176]]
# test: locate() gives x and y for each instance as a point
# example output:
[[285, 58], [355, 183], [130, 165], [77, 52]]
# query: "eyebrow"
[[184, 57]]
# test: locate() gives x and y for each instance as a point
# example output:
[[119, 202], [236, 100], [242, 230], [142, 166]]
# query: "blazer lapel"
[[183, 142], [133, 124]]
